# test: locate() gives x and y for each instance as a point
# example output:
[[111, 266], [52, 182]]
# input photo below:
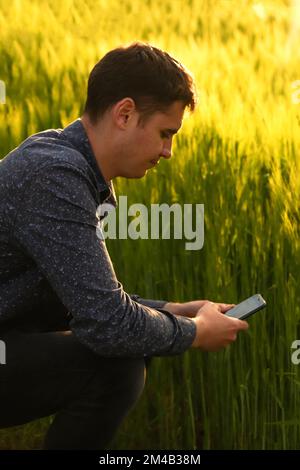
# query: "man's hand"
[[215, 330], [190, 309]]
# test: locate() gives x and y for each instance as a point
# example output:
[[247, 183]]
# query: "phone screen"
[[247, 307]]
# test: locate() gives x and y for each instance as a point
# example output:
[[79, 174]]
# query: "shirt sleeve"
[[56, 226], [149, 302]]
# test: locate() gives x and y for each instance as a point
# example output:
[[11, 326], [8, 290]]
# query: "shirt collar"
[[75, 133]]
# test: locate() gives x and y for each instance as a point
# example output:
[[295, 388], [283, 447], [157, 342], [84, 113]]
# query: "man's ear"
[[123, 112]]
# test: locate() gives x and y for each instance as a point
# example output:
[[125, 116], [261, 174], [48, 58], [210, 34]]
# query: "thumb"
[[242, 324]]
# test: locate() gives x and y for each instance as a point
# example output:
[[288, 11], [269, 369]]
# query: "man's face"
[[144, 144]]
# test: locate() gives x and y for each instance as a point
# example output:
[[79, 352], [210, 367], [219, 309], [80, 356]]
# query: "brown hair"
[[148, 75]]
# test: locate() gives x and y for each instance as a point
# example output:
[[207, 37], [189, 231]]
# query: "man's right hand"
[[214, 329]]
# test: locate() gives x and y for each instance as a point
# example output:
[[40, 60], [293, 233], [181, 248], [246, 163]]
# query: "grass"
[[238, 155]]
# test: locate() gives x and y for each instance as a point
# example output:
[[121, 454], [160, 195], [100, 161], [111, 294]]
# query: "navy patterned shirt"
[[55, 272]]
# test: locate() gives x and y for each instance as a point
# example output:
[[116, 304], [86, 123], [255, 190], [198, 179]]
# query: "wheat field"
[[238, 154]]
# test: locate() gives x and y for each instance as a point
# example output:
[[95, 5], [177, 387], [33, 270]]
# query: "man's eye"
[[165, 135]]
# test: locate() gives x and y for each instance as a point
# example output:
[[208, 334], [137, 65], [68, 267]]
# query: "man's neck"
[[100, 140]]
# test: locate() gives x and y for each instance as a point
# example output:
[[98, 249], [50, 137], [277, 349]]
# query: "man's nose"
[[166, 150]]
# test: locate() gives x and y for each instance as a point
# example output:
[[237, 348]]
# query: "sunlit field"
[[238, 154]]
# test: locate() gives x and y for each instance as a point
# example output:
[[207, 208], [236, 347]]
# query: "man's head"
[[148, 75], [138, 94]]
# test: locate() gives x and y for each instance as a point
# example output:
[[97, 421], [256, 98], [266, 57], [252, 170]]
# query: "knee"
[[122, 380]]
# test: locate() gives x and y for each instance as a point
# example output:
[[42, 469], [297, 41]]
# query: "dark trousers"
[[52, 373]]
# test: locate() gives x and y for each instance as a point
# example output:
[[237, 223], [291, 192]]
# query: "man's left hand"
[[189, 309]]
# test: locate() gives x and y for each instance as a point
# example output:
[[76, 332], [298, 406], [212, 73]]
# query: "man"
[[76, 343]]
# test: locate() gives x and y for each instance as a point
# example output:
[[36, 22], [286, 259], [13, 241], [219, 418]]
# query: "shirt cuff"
[[185, 327], [186, 333]]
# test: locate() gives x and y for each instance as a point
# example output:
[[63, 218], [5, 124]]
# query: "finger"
[[217, 306], [226, 307]]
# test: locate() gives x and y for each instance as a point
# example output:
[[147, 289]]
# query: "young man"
[[76, 343]]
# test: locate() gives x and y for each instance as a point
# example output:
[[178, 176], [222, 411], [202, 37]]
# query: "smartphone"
[[247, 307]]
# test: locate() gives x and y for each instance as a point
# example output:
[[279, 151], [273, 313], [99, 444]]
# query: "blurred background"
[[238, 154]]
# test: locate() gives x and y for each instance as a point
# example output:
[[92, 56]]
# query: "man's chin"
[[137, 175]]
